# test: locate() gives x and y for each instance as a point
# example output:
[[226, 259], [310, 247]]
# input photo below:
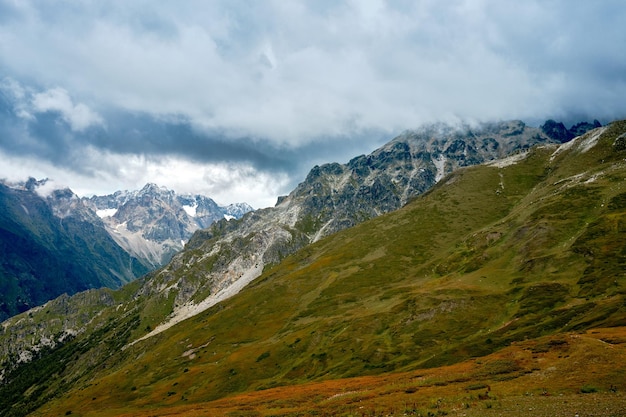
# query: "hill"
[[523, 250], [221, 260], [554, 376]]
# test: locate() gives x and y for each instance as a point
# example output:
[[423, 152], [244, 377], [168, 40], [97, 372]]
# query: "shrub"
[[588, 389]]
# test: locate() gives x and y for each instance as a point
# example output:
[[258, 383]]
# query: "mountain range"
[[154, 223], [446, 244], [53, 242], [50, 245]]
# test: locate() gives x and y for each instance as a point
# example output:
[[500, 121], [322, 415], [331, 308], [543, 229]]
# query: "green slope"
[[489, 256]]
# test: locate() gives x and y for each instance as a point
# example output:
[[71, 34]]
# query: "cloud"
[[294, 71], [46, 189], [274, 87], [79, 116]]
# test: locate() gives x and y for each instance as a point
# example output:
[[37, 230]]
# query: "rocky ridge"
[[557, 130]]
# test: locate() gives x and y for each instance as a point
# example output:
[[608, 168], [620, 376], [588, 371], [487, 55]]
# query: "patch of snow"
[[25, 209], [440, 164], [229, 217], [191, 210], [106, 213], [509, 160]]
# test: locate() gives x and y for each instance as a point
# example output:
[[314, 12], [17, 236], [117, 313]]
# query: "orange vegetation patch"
[[582, 373]]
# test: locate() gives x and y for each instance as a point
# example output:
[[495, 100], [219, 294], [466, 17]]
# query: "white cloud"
[[78, 116], [225, 183], [46, 189]]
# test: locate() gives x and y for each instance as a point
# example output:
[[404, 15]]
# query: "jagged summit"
[[405, 167], [154, 223], [54, 242], [557, 130], [51, 243]]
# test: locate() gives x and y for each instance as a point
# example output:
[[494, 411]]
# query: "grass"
[[551, 376]]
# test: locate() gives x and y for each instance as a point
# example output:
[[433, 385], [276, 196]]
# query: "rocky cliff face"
[[154, 223], [336, 196]]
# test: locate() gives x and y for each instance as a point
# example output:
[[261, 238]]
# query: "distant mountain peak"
[[558, 131], [155, 222], [52, 243], [152, 188]]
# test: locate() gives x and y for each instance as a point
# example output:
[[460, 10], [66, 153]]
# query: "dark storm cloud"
[[52, 134], [48, 136]]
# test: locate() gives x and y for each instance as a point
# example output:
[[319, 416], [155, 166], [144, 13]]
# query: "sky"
[[238, 100]]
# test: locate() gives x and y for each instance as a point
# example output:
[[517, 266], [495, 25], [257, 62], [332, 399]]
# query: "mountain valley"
[[53, 245], [53, 242]]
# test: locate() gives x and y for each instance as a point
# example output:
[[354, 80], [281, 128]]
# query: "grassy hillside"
[[554, 376], [493, 257]]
